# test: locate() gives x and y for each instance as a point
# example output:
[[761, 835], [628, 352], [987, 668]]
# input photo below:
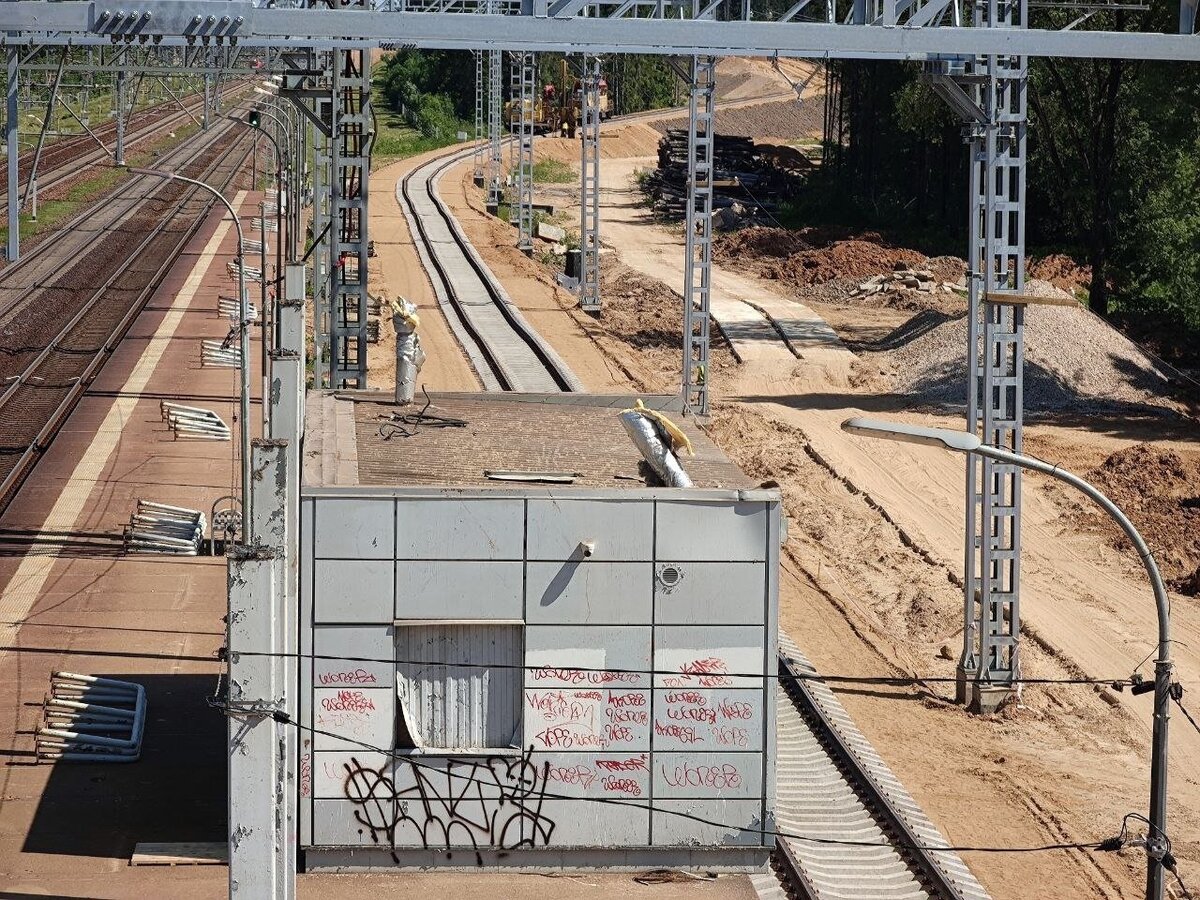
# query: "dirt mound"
[[853, 259], [646, 315], [1073, 361], [1159, 489], [751, 243], [786, 120], [1060, 270]]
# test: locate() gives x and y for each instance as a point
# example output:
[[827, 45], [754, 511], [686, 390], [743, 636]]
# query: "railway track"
[[506, 352], [64, 159], [97, 304], [868, 838]]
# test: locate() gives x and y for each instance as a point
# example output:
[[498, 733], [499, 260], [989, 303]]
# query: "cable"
[[895, 681], [283, 718]]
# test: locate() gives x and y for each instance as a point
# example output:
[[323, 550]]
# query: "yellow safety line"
[[26, 584]]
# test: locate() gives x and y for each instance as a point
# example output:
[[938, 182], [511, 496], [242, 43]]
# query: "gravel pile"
[[1071, 357]]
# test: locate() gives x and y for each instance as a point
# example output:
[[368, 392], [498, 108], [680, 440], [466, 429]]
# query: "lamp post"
[[266, 321], [965, 442], [244, 345]]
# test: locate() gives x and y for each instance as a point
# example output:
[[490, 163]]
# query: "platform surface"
[[351, 440]]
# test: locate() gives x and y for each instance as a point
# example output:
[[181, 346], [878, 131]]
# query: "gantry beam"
[[185, 22]]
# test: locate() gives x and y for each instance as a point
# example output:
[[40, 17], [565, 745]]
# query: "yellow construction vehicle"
[[558, 109]]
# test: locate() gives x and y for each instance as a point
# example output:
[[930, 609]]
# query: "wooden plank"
[[1028, 299], [185, 853]]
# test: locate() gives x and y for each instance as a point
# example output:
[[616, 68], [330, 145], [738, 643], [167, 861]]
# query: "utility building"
[[513, 643]]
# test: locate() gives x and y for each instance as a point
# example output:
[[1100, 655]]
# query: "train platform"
[[71, 599]]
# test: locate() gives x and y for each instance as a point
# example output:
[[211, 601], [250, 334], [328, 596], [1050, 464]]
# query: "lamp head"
[[945, 438]]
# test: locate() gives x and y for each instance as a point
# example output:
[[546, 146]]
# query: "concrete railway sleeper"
[[506, 352], [871, 837], [38, 401]]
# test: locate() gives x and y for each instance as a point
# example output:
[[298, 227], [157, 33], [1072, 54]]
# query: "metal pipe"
[[244, 344], [14, 210]]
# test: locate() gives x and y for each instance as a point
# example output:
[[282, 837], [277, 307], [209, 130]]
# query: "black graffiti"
[[493, 803]]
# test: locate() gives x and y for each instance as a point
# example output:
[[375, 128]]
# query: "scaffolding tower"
[[697, 263], [589, 186]]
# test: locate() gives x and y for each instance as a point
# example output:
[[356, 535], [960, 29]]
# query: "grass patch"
[[53, 213], [551, 171]]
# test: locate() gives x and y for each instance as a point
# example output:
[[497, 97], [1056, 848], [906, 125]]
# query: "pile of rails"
[[746, 182]]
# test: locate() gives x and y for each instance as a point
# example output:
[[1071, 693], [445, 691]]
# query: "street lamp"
[[252, 121], [965, 442], [244, 346]]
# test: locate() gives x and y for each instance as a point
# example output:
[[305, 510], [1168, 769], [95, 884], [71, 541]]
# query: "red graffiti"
[[733, 709], [348, 701], [581, 676], [716, 777], [629, 764], [685, 734], [306, 775], [358, 676], [622, 786]]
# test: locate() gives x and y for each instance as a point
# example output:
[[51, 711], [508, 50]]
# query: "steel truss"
[[495, 164], [525, 70], [349, 165], [884, 29], [697, 224], [477, 156], [589, 185]]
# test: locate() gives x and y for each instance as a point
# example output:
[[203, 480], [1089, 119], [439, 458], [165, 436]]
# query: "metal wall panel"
[[460, 529], [355, 528], [688, 776], [709, 593], [456, 707], [707, 719], [362, 718], [452, 589], [354, 656], [353, 590], [676, 830], [711, 531], [615, 720], [588, 593], [335, 824], [709, 655], [332, 770], [307, 755], [597, 775], [595, 824], [567, 656], [620, 530]]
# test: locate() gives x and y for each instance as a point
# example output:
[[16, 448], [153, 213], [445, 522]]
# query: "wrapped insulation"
[[409, 355], [654, 441]]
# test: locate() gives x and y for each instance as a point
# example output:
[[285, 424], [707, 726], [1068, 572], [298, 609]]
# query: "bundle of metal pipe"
[[90, 719]]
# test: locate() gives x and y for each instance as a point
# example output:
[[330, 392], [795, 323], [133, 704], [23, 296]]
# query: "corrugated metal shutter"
[[454, 707]]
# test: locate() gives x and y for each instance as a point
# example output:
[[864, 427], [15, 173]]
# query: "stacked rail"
[[90, 719]]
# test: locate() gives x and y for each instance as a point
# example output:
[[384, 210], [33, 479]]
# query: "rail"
[[27, 382], [505, 350]]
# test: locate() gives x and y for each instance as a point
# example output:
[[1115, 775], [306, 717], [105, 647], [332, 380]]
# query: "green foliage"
[[551, 171], [434, 90]]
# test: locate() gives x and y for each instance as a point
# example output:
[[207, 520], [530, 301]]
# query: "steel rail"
[[834, 785], [515, 355], [24, 464], [133, 203], [72, 166]]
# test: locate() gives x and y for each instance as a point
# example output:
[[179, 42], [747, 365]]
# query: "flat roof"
[[354, 438]]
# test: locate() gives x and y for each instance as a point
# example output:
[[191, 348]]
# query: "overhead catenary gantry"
[[978, 56]]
